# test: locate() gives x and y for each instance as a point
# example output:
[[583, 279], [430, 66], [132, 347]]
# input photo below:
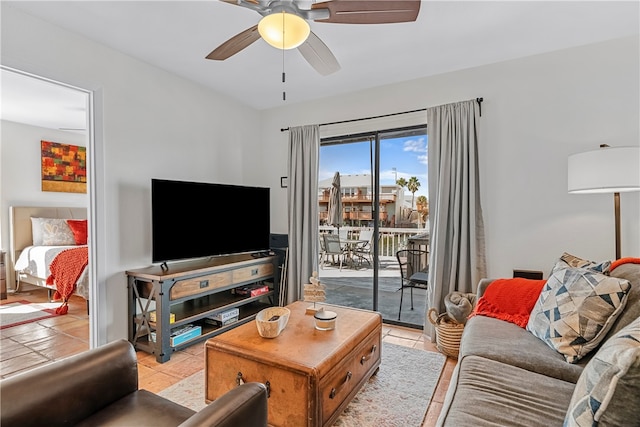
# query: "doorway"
[[36, 108], [384, 208]]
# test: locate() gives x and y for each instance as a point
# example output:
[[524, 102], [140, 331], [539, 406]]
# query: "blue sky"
[[408, 155]]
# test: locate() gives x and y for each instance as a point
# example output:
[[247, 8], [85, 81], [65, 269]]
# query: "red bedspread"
[[66, 269]]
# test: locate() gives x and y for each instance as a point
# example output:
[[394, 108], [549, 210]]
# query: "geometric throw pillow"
[[576, 308], [608, 390], [79, 229], [568, 260], [51, 232]]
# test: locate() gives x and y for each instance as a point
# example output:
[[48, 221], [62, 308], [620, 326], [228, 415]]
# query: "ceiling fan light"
[[296, 30]]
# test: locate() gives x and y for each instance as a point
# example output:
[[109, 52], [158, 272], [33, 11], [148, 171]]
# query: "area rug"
[[21, 312], [397, 396]]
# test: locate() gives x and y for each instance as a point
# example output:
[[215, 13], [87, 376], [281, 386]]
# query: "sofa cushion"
[[576, 308], [509, 299], [608, 391], [508, 343], [630, 272], [483, 392], [139, 408]]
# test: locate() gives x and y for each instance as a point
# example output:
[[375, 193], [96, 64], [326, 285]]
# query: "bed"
[[31, 262]]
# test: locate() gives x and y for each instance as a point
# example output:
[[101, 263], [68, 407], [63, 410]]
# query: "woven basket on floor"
[[448, 333]]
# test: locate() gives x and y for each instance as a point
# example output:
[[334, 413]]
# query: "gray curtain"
[[302, 200], [457, 258]]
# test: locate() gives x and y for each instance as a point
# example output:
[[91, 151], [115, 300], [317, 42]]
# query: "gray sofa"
[[99, 387], [506, 376]]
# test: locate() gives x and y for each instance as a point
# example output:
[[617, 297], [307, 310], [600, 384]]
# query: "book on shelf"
[[220, 323], [252, 291], [180, 334], [153, 317], [226, 314]]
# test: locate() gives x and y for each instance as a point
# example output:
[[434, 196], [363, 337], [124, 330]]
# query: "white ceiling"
[[447, 36]]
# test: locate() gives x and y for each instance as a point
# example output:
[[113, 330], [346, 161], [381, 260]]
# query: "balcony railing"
[[361, 216], [384, 198], [364, 216], [391, 239]]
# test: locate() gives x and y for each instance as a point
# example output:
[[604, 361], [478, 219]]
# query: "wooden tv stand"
[[192, 291]]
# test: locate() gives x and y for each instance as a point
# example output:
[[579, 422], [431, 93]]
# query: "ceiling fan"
[[291, 16]]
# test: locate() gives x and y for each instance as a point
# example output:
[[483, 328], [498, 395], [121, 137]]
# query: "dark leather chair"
[[99, 387]]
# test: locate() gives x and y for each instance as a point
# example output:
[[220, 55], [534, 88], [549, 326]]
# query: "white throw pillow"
[[51, 232]]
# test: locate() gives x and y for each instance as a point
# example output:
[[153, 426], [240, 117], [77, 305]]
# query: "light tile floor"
[[27, 346]]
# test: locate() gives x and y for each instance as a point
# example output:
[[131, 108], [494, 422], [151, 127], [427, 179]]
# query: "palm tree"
[[423, 208], [413, 185], [401, 182]]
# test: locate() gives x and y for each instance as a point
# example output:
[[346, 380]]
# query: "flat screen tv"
[[198, 219]]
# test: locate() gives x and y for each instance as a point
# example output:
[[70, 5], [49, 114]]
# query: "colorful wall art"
[[64, 167]]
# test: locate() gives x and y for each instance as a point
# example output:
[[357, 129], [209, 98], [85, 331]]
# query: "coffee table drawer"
[[289, 391], [343, 382]]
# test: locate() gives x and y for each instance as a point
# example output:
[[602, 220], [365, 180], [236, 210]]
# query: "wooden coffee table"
[[311, 375]]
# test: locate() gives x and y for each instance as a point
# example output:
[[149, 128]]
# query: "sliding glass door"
[[382, 180]]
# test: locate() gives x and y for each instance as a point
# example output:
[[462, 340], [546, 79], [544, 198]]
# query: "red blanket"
[[627, 260], [510, 299], [66, 269]]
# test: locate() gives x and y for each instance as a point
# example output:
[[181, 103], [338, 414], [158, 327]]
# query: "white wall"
[[536, 112], [150, 124]]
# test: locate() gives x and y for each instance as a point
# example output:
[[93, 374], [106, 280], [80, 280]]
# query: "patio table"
[[351, 245]]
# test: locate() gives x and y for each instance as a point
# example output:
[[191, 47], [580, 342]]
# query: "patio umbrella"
[[335, 202]]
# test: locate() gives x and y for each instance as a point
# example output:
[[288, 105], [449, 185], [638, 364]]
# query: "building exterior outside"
[[357, 203]]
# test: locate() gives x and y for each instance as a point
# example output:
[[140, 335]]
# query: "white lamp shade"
[[296, 30], [605, 170]]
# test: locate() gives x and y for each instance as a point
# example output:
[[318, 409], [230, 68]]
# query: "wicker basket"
[[448, 333]]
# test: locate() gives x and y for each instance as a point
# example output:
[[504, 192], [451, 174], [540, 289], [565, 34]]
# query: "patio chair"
[[333, 247], [414, 271], [323, 251], [363, 251]]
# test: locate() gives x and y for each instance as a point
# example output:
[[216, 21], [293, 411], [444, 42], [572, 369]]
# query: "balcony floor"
[[353, 288]]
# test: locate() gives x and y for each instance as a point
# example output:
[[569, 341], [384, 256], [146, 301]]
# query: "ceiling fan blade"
[[235, 44], [239, 2], [318, 55], [369, 11]]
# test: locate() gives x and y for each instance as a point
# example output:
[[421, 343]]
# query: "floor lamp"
[[606, 170]]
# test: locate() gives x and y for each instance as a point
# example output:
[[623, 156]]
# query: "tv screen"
[[197, 219]]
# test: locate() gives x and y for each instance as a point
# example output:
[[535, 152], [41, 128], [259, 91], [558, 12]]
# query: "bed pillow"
[[51, 232], [608, 390], [509, 299], [576, 308], [79, 229]]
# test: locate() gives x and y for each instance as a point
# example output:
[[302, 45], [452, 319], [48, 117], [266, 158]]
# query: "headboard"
[[20, 235]]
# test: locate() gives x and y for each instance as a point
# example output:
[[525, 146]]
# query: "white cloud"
[[416, 145]]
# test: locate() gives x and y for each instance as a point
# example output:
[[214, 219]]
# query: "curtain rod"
[[478, 100]]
